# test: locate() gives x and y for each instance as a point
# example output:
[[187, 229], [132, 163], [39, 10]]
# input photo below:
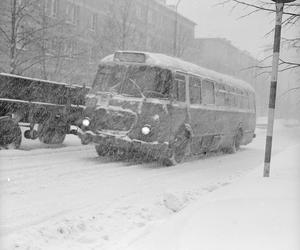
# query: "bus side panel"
[[203, 126], [250, 120], [228, 122], [210, 125], [178, 116]]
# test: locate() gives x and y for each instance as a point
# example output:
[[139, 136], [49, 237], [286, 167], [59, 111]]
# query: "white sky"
[[221, 21]]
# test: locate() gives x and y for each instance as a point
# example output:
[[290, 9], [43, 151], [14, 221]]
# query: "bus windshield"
[[133, 80]]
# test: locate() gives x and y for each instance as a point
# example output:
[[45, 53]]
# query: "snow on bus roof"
[[40, 80], [174, 63]]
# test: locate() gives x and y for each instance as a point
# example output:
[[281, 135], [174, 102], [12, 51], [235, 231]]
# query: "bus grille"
[[113, 120]]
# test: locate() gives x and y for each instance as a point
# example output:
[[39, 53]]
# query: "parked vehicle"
[[52, 106], [166, 108]]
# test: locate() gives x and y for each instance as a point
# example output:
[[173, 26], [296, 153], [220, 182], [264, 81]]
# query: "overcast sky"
[[220, 21]]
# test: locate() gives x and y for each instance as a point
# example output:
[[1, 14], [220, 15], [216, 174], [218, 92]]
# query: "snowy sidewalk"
[[254, 213]]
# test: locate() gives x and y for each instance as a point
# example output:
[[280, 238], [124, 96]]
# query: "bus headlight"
[[146, 130], [86, 122]]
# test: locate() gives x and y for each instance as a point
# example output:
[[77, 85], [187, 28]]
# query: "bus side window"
[[252, 101], [245, 100], [180, 93], [163, 82], [220, 98], [220, 94], [195, 90], [237, 100], [249, 101], [208, 95], [180, 88]]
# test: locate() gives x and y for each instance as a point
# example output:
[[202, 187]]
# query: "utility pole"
[[175, 29], [271, 113]]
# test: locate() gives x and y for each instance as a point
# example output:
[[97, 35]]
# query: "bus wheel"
[[178, 150], [51, 135], [102, 150], [236, 143], [10, 134], [238, 139]]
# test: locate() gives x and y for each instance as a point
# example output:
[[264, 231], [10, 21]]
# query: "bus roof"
[[177, 64]]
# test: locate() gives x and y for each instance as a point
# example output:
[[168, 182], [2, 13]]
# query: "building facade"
[[64, 40]]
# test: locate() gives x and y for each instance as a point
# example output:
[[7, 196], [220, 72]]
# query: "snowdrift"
[[253, 213]]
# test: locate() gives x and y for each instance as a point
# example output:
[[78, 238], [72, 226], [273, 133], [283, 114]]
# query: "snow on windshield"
[[133, 80]]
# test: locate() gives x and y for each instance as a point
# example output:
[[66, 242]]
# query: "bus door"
[[179, 107], [203, 113], [210, 135]]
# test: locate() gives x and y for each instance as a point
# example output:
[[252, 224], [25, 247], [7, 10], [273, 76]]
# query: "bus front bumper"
[[156, 150]]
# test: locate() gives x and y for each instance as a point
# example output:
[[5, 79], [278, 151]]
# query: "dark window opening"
[[133, 80], [195, 90], [208, 95]]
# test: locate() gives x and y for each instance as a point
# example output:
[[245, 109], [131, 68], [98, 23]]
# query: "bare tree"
[[14, 30], [120, 28], [291, 19], [183, 42], [35, 39]]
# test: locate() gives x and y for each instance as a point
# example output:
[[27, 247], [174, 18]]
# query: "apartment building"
[[66, 38], [63, 40]]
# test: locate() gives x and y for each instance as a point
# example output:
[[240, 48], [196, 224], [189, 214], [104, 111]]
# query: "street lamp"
[[175, 29], [273, 86]]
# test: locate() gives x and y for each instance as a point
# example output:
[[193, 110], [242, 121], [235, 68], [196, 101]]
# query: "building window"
[[92, 54], [52, 8], [138, 12], [72, 13], [77, 14], [93, 22], [150, 17], [22, 38], [22, 3], [71, 49], [57, 46]]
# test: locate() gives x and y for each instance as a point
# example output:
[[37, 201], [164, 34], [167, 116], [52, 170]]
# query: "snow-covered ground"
[[69, 198], [253, 213]]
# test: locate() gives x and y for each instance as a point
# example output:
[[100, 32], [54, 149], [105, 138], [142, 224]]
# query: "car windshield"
[[133, 80]]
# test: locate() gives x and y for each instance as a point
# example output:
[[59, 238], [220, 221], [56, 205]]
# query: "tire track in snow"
[[94, 170]]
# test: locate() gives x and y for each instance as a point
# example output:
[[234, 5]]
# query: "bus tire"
[[236, 142], [10, 134], [178, 150], [102, 150], [51, 135], [238, 138]]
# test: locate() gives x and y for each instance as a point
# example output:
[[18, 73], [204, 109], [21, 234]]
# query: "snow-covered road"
[[68, 197]]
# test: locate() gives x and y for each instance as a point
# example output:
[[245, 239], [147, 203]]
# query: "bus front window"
[[133, 80], [151, 81], [108, 77]]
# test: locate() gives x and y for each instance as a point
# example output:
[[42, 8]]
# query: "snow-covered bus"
[[155, 105]]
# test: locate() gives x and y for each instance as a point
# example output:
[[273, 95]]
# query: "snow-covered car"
[[157, 106]]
